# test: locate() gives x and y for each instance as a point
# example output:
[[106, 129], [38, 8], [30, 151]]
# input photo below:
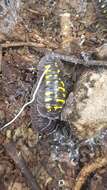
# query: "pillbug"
[[51, 94]]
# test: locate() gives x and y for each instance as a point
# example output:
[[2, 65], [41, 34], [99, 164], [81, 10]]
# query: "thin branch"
[[87, 170], [65, 25], [74, 60], [67, 58], [38, 46]]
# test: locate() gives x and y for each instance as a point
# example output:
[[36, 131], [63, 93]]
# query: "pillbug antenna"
[[28, 103]]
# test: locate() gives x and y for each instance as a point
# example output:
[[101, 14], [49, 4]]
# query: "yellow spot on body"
[[56, 64], [49, 109], [47, 82], [48, 99], [103, 6], [61, 89], [48, 93], [48, 71], [48, 76], [64, 95], [47, 66], [60, 100], [58, 71], [105, 11], [62, 83], [57, 107], [55, 75]]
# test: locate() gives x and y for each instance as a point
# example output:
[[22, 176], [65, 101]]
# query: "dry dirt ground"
[[41, 26]]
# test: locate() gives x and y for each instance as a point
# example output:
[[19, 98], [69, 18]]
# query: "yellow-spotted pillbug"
[[51, 95]]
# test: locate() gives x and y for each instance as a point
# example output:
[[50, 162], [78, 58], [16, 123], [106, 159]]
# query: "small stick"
[[87, 170], [21, 44], [21, 164], [65, 25], [74, 60], [68, 58], [36, 46]]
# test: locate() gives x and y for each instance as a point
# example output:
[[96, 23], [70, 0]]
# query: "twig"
[[65, 24], [41, 11], [37, 12], [26, 104], [74, 60], [68, 58], [21, 44], [21, 164], [87, 170], [36, 46]]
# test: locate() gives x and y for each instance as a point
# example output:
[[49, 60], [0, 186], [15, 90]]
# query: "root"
[[87, 170], [67, 58]]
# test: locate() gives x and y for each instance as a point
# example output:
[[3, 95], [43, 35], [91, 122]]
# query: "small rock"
[[102, 51], [2, 115], [16, 186], [9, 134], [89, 113]]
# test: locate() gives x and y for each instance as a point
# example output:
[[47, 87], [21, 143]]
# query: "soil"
[[39, 22]]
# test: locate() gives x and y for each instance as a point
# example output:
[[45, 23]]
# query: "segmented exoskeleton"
[[51, 94]]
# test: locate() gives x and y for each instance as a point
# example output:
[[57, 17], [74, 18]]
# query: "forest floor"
[[40, 28]]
